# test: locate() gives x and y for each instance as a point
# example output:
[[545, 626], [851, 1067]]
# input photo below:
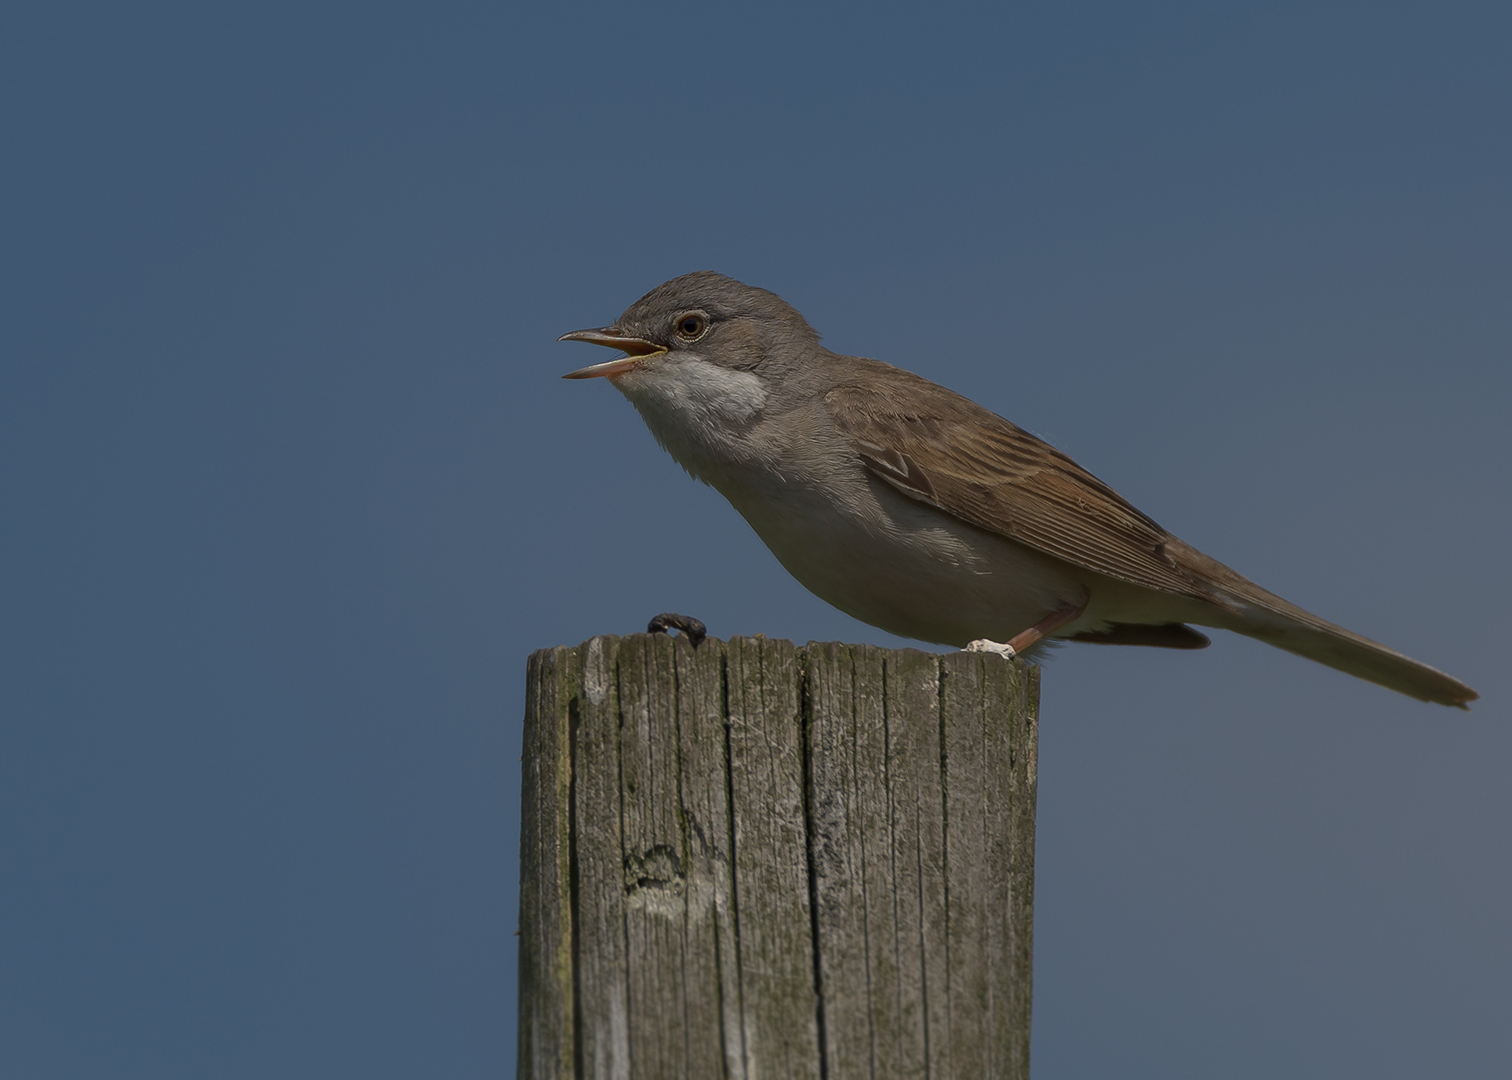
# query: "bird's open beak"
[[639, 349]]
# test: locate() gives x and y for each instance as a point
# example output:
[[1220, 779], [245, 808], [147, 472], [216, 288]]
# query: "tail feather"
[[1162, 635], [1256, 613], [1349, 652]]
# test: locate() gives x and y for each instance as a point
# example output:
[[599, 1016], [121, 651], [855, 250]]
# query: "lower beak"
[[639, 349]]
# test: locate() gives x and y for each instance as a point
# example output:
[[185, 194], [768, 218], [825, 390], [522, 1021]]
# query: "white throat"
[[697, 410]]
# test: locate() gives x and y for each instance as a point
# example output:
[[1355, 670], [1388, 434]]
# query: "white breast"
[[696, 409]]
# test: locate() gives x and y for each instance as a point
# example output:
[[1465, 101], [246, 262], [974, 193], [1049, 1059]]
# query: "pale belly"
[[912, 570]]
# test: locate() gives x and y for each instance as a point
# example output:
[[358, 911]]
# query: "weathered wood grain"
[[749, 860], [546, 1014], [704, 787], [773, 923], [599, 947]]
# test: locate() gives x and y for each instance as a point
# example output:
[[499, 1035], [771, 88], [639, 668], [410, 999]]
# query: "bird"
[[920, 512]]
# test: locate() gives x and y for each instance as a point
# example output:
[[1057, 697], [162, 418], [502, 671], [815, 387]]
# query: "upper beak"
[[638, 348]]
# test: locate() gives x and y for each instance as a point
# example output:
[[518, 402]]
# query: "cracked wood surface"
[[750, 860]]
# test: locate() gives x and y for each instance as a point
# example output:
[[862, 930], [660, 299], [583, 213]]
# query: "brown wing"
[[940, 448]]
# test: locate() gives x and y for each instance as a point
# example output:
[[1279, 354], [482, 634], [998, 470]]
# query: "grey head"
[[706, 316]]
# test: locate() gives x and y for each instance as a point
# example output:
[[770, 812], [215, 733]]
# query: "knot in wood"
[[657, 868]]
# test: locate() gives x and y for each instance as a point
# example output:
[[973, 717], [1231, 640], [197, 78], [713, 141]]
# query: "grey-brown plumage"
[[917, 510]]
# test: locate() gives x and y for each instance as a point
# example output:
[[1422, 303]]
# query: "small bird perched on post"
[[918, 511]]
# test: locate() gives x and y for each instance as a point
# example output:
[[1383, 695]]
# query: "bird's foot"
[[1027, 639], [998, 648]]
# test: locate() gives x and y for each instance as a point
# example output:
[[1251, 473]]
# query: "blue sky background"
[[289, 487]]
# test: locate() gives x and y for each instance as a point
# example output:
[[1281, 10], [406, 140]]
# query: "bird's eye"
[[691, 325]]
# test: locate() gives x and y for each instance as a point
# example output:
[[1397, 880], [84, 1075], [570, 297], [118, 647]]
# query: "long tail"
[[1356, 655], [1266, 617]]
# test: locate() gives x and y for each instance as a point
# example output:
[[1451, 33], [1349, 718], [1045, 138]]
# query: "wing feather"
[[943, 449]]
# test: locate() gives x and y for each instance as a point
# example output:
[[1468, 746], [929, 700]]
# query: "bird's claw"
[[997, 648]]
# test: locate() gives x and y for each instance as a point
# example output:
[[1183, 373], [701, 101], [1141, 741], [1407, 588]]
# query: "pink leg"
[[1048, 625]]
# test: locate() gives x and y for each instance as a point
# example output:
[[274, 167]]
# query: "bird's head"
[[700, 318]]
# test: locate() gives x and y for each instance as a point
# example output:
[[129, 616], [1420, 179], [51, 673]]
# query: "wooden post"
[[752, 861]]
